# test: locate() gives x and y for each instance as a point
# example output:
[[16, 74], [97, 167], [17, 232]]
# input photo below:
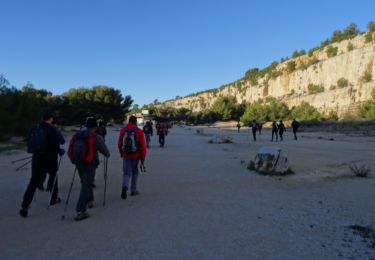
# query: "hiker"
[[254, 128], [53, 166], [260, 126], [275, 129], [162, 131], [238, 127], [147, 130], [101, 130], [295, 126], [43, 143], [88, 140], [132, 148], [281, 129]]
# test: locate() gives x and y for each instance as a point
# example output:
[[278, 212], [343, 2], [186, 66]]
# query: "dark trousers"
[[86, 174], [274, 132], [38, 168], [295, 134], [161, 140], [281, 133], [254, 135]]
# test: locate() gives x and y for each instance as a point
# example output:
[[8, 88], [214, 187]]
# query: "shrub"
[[368, 37], [305, 112], [371, 26], [332, 87], [367, 110], [350, 46], [291, 66], [359, 171], [331, 51], [342, 83], [314, 89], [366, 77]]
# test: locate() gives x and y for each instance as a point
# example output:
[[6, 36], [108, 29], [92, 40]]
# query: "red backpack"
[[81, 147]]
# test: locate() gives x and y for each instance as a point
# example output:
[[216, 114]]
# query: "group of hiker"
[[84, 147], [277, 129]]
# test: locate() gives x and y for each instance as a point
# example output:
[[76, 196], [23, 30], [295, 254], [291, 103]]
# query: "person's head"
[[253, 120], [48, 116], [54, 122], [281, 121], [133, 120], [91, 122], [101, 123]]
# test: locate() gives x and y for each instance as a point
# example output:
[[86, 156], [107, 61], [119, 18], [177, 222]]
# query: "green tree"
[[305, 112], [225, 107], [371, 26], [291, 66]]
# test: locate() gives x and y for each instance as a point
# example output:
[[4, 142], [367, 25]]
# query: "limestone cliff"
[[345, 79]]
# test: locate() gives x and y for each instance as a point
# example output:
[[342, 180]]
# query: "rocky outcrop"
[[354, 60]]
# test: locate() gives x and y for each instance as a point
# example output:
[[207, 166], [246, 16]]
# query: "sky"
[[160, 49]]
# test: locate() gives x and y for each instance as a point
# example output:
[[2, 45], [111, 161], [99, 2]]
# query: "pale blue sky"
[[158, 49]]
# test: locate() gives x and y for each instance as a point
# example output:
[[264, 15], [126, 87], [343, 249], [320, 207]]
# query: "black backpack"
[[37, 142], [129, 141]]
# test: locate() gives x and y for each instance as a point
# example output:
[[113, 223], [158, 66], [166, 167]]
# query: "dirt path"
[[198, 201]]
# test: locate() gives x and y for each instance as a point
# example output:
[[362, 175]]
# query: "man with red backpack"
[[132, 148], [162, 131], [83, 152]]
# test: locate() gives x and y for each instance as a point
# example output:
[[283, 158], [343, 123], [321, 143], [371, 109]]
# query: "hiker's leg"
[[86, 183], [254, 135], [134, 181], [42, 180], [91, 177], [37, 170], [126, 169], [162, 140]]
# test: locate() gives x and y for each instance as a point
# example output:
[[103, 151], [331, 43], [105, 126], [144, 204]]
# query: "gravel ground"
[[199, 201]]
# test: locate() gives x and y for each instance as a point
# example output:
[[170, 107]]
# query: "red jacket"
[[141, 139]]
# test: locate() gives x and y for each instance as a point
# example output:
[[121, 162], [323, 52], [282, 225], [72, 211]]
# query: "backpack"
[[37, 142], [129, 141], [146, 129], [81, 147]]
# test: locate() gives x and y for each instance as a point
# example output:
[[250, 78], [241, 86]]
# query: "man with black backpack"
[[132, 148], [83, 152], [43, 143], [147, 130]]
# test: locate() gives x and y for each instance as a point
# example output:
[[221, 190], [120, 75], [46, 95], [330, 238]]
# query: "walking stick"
[[29, 157], [23, 165], [54, 183], [70, 190], [105, 178]]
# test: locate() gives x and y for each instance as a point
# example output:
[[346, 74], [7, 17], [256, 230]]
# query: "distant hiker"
[[238, 127], [53, 167], [86, 139], [132, 148], [44, 145], [295, 126], [281, 129], [260, 126], [254, 128], [162, 131], [101, 130], [147, 130], [275, 129]]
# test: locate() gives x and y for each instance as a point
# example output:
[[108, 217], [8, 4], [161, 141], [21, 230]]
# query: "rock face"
[[355, 58]]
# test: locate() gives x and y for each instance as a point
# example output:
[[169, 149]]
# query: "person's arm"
[[142, 143], [119, 142], [100, 144]]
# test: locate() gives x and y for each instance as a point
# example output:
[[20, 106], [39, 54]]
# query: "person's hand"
[[61, 152]]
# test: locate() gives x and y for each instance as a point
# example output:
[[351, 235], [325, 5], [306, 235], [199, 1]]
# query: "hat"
[[91, 122]]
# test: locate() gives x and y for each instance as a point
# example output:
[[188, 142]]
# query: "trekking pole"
[[54, 183], [29, 157], [23, 165], [70, 190], [105, 178]]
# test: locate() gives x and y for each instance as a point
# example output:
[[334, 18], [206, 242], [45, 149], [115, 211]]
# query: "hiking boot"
[[81, 215], [56, 201], [23, 212], [134, 193], [90, 204], [123, 193]]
